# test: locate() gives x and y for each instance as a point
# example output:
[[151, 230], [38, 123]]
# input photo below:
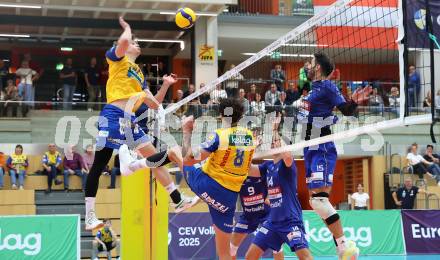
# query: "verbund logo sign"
[[422, 231]]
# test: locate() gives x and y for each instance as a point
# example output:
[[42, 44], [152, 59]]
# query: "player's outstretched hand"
[[169, 79], [361, 95], [123, 23], [187, 124]]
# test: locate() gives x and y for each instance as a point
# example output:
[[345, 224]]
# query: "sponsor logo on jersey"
[[274, 193], [240, 140], [253, 200]]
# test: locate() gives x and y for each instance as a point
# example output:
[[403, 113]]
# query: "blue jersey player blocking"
[[316, 113], [253, 199], [285, 222]]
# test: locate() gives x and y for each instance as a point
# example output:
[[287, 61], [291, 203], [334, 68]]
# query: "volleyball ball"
[[185, 18]]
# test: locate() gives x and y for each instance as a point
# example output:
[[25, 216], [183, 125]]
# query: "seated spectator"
[[194, 108], [191, 89], [437, 100], [303, 75], [105, 241], [292, 93], [427, 100], [394, 100], [257, 107], [11, 97], [278, 76], [216, 94], [233, 83], [281, 106], [359, 199], [204, 98], [375, 102], [244, 101], [251, 95], [17, 164], [181, 109], [73, 165], [417, 162], [88, 157], [434, 168], [51, 166], [271, 96], [405, 196], [114, 172], [2, 168]]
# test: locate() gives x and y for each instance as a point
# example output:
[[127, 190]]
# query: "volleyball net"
[[368, 44]]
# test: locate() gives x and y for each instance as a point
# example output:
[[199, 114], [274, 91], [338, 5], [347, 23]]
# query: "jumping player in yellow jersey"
[[228, 153], [126, 92]]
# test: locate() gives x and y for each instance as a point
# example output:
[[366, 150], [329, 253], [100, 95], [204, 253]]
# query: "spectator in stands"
[[217, 94], [17, 164], [34, 65], [73, 165], [68, 77], [51, 166], [88, 157], [303, 74], [292, 93], [103, 77], [233, 83], [11, 98], [272, 95], [375, 102], [26, 88], [4, 71], [417, 162], [427, 99], [204, 98], [437, 100], [278, 76], [336, 78], [394, 99], [405, 196], [244, 101], [91, 77], [115, 171], [2, 168], [281, 106], [193, 108], [105, 241], [359, 199], [434, 168], [258, 106], [181, 110], [191, 89], [251, 95], [413, 86]]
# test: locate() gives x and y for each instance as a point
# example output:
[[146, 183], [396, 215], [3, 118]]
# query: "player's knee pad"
[[322, 206], [233, 249]]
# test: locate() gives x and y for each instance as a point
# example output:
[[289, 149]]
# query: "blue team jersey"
[[285, 208], [319, 103], [253, 193]]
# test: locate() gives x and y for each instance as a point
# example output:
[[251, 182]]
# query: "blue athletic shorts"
[[221, 201], [268, 237], [320, 164], [248, 225], [115, 128]]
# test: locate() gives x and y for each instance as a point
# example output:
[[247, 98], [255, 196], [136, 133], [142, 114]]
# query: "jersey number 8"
[[239, 158]]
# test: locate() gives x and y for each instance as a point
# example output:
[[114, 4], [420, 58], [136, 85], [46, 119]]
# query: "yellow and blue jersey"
[[19, 161], [104, 235], [125, 79], [52, 159], [231, 155]]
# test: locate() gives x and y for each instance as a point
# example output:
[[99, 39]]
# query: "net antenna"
[[365, 39]]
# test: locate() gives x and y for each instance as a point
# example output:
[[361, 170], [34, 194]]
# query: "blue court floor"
[[384, 257]]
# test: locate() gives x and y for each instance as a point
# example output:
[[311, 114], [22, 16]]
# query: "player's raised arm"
[[189, 156], [124, 39]]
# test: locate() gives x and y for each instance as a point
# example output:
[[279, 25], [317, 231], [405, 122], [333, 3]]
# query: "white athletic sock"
[[138, 164], [233, 249], [171, 187], [341, 243], [90, 204]]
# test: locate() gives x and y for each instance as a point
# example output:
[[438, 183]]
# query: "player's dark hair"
[[19, 146], [324, 61], [430, 145], [233, 108]]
